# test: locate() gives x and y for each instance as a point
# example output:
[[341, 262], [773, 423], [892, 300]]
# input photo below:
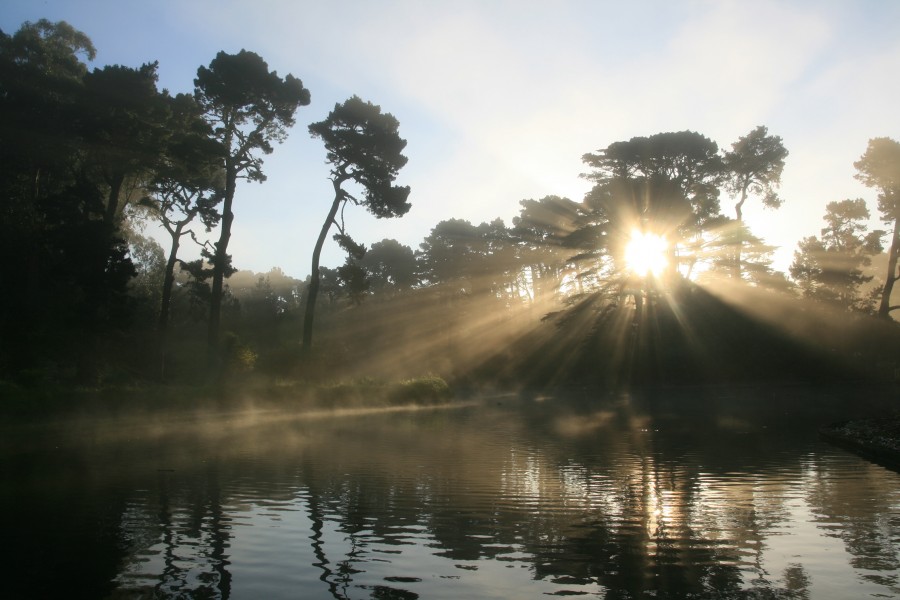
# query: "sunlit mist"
[[645, 253]]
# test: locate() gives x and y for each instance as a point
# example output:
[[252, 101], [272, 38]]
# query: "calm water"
[[719, 494]]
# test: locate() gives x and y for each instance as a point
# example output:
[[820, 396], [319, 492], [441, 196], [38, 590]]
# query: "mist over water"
[[704, 493]]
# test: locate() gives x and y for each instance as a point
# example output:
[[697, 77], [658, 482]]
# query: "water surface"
[[699, 494]]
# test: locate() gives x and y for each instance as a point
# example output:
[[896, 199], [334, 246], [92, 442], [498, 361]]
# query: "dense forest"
[[93, 159]]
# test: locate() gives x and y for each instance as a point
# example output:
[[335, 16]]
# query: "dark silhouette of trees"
[[187, 183], [475, 260], [539, 231], [363, 147], [685, 158], [829, 269], [879, 168], [69, 267], [390, 267], [446, 254], [753, 165], [124, 125], [249, 109], [664, 185], [79, 146]]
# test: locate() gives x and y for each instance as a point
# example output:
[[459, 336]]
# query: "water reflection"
[[704, 496]]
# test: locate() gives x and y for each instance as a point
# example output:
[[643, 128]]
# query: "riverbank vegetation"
[[648, 280]]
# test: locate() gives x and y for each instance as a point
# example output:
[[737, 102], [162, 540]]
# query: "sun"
[[646, 253]]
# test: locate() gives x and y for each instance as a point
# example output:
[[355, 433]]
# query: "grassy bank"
[[56, 401]]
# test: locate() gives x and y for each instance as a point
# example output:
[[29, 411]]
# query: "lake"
[[705, 493]]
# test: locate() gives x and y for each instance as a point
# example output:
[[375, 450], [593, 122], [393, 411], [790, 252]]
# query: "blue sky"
[[500, 99]]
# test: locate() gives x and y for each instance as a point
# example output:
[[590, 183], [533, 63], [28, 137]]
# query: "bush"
[[371, 392], [424, 390]]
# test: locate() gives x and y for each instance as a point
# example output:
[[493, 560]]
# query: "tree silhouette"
[[124, 126], [363, 147], [686, 158], [754, 165], [69, 268], [249, 108], [830, 269], [188, 183], [879, 167], [390, 266], [539, 231]]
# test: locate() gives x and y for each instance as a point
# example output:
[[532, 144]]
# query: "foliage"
[[754, 165], [89, 154], [367, 391], [238, 356], [830, 269], [684, 159], [362, 146], [390, 266], [424, 390], [249, 108], [879, 167], [71, 268], [123, 123]]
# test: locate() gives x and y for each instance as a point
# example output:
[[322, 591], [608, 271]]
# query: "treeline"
[[90, 156]]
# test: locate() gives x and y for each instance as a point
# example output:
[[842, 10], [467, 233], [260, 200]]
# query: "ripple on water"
[[489, 504]]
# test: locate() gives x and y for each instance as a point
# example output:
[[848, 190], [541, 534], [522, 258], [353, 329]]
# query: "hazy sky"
[[500, 99]]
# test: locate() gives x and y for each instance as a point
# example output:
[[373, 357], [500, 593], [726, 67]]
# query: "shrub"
[[424, 390]]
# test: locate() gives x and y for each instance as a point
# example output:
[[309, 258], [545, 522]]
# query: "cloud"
[[499, 100]]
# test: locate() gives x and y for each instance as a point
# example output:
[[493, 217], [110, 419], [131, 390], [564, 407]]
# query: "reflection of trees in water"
[[621, 502], [844, 509], [179, 539]]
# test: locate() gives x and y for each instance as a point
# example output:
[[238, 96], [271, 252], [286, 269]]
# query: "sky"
[[500, 99]]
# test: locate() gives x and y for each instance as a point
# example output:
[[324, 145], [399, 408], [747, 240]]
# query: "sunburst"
[[646, 253]]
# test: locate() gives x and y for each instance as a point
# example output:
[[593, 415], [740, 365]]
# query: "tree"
[[612, 212], [539, 231], [390, 266], [753, 165], [187, 183], [666, 183], [686, 158], [124, 127], [447, 254], [479, 259], [829, 269], [363, 147], [249, 108], [879, 168], [41, 78], [71, 272], [352, 280]]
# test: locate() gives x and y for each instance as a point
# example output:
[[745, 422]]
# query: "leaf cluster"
[[363, 145], [248, 106]]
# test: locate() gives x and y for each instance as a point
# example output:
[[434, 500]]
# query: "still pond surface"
[[705, 494]]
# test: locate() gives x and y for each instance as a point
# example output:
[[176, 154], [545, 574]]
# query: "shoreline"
[[875, 439]]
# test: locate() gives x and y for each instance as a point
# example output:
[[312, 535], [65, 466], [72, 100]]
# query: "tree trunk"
[[162, 325], [313, 291], [220, 259], [738, 211], [169, 281], [884, 309], [112, 203]]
